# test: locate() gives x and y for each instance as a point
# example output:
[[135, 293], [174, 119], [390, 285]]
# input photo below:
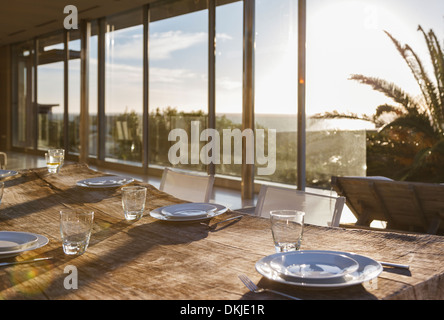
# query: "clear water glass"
[[75, 229], [133, 202], [287, 228], [54, 160]]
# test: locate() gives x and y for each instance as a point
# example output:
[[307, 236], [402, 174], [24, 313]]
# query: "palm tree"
[[411, 147]]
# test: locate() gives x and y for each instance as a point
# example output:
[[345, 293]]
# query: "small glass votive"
[[75, 230], [287, 228], [133, 202]]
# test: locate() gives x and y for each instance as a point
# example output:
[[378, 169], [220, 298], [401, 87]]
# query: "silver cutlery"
[[394, 265], [213, 226], [254, 288], [22, 262]]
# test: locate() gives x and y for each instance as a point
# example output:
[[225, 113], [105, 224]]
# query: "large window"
[[275, 89], [23, 112], [50, 92], [229, 44], [74, 93], [178, 84], [346, 38], [93, 92], [173, 81], [124, 87]]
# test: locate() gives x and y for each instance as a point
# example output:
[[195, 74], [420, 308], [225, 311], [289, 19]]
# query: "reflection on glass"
[[23, 113], [74, 94], [50, 92], [93, 106], [124, 88], [276, 87], [229, 24]]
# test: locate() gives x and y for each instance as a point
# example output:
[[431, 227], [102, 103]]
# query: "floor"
[[227, 197]]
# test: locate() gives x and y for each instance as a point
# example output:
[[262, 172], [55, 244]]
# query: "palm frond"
[[437, 59], [418, 123], [390, 90], [336, 115], [426, 85], [386, 108]]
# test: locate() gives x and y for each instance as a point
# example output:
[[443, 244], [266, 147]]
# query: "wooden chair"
[[319, 209], [187, 186], [406, 206]]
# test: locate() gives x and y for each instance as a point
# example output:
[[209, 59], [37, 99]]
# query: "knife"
[[25, 261], [395, 265]]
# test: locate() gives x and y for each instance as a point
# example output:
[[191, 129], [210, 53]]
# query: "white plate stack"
[[318, 269]]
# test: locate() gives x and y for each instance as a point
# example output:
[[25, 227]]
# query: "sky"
[[347, 37], [344, 37]]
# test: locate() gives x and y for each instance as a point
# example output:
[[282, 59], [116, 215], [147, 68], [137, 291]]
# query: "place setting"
[[14, 243], [188, 212], [314, 269], [7, 174], [105, 182]]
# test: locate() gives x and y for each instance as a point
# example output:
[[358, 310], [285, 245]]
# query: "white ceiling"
[[24, 19]]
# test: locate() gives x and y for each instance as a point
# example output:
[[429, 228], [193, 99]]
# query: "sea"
[[289, 122]]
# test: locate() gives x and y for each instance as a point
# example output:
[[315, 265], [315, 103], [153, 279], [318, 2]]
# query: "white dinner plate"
[[105, 182], [188, 211], [313, 265], [41, 241], [11, 240], [7, 173], [368, 269]]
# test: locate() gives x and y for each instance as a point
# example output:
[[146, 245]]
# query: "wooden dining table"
[[152, 259]]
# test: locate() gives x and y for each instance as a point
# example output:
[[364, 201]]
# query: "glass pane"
[[93, 102], [276, 90], [50, 92], [74, 93], [178, 89], [229, 44], [23, 113], [346, 38], [124, 88]]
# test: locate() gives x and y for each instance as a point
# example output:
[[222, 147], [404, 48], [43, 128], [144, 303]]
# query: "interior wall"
[[5, 98]]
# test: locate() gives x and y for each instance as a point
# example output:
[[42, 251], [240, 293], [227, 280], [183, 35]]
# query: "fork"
[[254, 288], [213, 226]]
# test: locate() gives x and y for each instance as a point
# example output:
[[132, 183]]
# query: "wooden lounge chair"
[[406, 206]]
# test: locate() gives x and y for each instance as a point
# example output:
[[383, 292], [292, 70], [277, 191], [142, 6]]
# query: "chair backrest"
[[3, 160], [319, 209], [406, 206], [187, 186]]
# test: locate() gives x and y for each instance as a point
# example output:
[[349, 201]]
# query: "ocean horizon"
[[284, 122]]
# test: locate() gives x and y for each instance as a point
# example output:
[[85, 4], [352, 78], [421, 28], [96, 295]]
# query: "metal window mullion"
[[247, 185], [65, 91], [301, 158], [101, 119]]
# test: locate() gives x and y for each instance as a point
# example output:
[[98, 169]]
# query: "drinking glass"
[[54, 160], [75, 229], [287, 228], [133, 202]]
